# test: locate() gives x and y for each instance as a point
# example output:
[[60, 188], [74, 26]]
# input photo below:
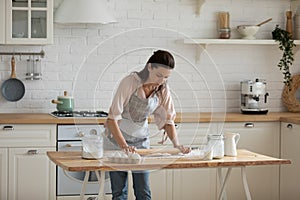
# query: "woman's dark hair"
[[159, 58]]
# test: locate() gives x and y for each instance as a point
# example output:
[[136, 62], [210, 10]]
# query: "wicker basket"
[[289, 95]]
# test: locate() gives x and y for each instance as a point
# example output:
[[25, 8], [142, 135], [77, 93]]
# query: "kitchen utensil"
[[224, 20], [13, 89], [145, 152], [248, 31], [230, 142], [289, 22], [266, 21], [30, 63], [64, 103]]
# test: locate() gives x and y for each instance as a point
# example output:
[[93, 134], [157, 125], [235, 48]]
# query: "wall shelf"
[[232, 41], [205, 42]]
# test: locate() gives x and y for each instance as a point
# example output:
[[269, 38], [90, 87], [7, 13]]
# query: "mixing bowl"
[[248, 31]]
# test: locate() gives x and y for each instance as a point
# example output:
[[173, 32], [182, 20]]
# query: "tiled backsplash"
[[89, 60]]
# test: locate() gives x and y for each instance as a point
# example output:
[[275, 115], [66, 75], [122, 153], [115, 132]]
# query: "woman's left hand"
[[183, 149]]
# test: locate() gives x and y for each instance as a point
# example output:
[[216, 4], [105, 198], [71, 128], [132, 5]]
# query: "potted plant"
[[286, 44]]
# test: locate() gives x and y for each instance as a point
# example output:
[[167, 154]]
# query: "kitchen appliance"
[[79, 114], [254, 97], [69, 184]]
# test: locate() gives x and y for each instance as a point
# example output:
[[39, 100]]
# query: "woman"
[[139, 95]]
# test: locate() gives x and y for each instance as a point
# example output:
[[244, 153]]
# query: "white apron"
[[134, 122]]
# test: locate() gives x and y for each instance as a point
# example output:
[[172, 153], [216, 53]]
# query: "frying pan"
[[13, 89]]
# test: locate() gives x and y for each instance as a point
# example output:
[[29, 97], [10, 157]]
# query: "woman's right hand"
[[129, 149]]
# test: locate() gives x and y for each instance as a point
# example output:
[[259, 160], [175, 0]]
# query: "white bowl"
[[248, 31], [18, 35]]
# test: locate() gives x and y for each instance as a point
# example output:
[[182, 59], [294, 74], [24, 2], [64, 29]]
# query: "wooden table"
[[72, 161]]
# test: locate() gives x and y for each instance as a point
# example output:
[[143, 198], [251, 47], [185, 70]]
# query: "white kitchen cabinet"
[[28, 22], [2, 21], [29, 135], [260, 137], [194, 183], [289, 174], [184, 183], [160, 180], [263, 181], [161, 183], [189, 134], [3, 173], [29, 172]]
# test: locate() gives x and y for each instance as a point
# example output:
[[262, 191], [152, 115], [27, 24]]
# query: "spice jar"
[[216, 143], [224, 33]]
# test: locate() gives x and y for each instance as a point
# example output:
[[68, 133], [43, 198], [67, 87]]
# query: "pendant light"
[[83, 11]]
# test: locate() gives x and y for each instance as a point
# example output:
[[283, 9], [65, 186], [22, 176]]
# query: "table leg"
[[223, 183], [245, 184], [85, 181], [101, 180]]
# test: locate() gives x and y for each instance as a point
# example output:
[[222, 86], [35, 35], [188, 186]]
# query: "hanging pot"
[[64, 103], [13, 89]]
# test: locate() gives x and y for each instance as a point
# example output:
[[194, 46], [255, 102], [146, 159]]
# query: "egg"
[[136, 156]]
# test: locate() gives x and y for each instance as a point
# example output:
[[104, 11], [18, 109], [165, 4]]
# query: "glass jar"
[[92, 146], [224, 33], [216, 143]]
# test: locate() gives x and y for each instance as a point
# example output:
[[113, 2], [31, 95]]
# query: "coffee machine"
[[254, 97]]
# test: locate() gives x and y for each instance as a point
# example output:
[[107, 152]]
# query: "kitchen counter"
[[234, 117], [294, 120], [45, 118]]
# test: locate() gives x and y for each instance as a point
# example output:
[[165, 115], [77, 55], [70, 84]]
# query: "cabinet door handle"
[[80, 134], [289, 126], [249, 125], [72, 145], [32, 152], [8, 128]]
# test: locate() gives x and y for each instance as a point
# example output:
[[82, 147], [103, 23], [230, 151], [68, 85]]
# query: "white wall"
[[89, 60]]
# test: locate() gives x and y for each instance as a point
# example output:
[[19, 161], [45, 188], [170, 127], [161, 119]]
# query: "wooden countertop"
[[72, 161], [295, 120], [232, 117], [45, 118]]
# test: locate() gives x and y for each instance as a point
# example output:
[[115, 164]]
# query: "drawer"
[[26, 135]]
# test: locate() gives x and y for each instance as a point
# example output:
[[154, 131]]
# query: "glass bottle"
[[29, 74]]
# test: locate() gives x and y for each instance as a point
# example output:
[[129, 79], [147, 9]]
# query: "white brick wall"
[[89, 60]]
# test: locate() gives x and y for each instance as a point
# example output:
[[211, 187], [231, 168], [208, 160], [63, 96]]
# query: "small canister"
[[224, 33], [216, 142]]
